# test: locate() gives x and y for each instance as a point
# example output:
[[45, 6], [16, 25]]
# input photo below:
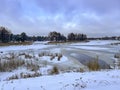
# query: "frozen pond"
[[83, 51], [85, 59], [87, 51]]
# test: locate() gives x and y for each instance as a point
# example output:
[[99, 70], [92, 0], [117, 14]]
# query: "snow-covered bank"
[[101, 80], [97, 42], [104, 45], [34, 46]]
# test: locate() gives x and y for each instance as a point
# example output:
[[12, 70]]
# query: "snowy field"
[[98, 42], [52, 67], [34, 46], [98, 45], [103, 80]]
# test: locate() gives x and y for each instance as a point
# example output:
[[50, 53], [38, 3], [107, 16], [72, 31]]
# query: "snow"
[[55, 50], [40, 42], [103, 45], [45, 70], [55, 60], [101, 80], [24, 47], [97, 42], [5, 75], [90, 47]]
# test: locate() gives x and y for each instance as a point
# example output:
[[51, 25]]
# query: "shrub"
[[29, 75], [27, 56], [41, 54], [54, 70], [52, 57], [26, 75], [93, 65], [13, 77], [56, 54], [10, 65], [32, 67], [81, 70], [59, 57]]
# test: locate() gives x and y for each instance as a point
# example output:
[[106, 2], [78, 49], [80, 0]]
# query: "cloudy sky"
[[38, 17]]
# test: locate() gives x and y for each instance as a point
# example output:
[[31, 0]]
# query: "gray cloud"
[[69, 6], [93, 17]]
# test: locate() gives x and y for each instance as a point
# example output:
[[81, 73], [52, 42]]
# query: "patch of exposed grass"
[[93, 65], [24, 75], [15, 43], [65, 42], [10, 65], [32, 67]]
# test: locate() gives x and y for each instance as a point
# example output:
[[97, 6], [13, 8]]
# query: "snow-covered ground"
[[46, 57], [103, 80], [91, 47], [112, 46], [34, 46], [97, 42]]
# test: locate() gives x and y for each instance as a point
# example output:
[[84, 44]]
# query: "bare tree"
[[4, 35]]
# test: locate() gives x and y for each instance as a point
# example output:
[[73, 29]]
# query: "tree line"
[[7, 36]]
